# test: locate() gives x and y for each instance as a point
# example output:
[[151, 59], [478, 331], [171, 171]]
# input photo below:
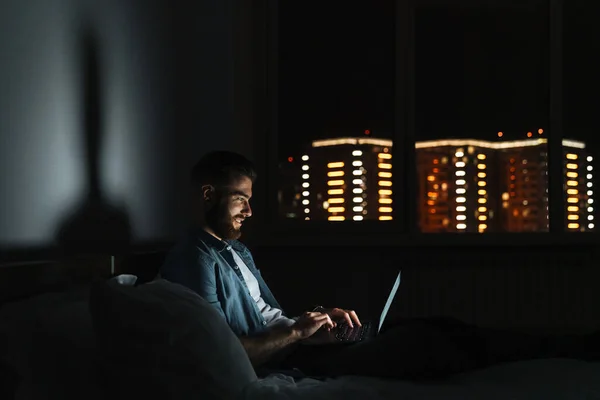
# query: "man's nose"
[[247, 210]]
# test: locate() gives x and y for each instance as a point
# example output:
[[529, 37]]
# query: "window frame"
[[403, 229]]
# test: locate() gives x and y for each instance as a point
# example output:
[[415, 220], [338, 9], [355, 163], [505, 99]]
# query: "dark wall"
[[521, 287], [153, 83]]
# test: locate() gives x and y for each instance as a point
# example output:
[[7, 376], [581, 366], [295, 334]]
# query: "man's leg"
[[412, 350], [434, 348]]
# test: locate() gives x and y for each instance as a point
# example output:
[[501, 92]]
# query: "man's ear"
[[208, 193]]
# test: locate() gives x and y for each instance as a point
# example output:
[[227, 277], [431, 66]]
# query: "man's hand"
[[310, 322], [349, 316]]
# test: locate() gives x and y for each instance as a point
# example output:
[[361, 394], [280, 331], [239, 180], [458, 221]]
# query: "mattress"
[[535, 379]]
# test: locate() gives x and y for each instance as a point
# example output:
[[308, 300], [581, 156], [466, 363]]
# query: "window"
[[482, 101], [469, 129], [580, 94], [336, 67]]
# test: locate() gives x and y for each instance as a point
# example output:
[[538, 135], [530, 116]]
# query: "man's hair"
[[219, 168]]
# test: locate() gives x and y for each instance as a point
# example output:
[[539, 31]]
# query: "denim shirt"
[[205, 264]]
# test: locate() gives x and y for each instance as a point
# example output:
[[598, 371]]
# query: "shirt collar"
[[219, 245]]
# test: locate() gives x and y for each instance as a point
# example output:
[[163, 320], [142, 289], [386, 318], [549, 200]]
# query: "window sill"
[[384, 235]]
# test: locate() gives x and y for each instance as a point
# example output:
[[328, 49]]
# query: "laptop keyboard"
[[344, 333]]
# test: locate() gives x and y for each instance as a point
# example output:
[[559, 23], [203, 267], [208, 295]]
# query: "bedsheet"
[[535, 379]]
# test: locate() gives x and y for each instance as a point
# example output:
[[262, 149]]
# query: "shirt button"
[[229, 248], [264, 322], [235, 267]]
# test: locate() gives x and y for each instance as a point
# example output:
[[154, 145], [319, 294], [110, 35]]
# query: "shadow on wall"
[[95, 226]]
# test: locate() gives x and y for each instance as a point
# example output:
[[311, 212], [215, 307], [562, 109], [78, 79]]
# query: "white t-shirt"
[[273, 316]]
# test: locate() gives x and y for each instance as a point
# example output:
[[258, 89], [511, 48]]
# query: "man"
[[212, 262], [220, 269]]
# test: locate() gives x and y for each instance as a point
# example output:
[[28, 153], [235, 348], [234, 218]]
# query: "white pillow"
[[163, 339]]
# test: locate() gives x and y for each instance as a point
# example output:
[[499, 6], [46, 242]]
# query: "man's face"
[[230, 208]]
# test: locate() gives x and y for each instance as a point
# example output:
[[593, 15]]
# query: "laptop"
[[344, 334]]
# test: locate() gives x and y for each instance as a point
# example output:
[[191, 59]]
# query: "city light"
[[453, 173], [335, 173], [306, 193]]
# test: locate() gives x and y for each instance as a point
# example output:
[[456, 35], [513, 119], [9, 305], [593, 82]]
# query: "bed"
[[62, 345]]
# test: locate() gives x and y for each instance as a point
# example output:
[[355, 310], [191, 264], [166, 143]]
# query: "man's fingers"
[[354, 317], [323, 319], [346, 317]]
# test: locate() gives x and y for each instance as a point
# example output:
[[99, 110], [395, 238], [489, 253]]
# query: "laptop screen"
[[389, 300]]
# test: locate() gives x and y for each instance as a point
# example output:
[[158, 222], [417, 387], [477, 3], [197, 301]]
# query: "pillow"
[[164, 340]]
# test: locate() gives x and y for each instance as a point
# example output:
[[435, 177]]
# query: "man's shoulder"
[[191, 248]]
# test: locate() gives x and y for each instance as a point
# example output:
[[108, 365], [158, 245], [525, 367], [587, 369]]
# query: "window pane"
[[336, 109], [581, 104], [482, 100]]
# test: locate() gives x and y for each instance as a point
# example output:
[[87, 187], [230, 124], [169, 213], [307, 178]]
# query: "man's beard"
[[219, 220]]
